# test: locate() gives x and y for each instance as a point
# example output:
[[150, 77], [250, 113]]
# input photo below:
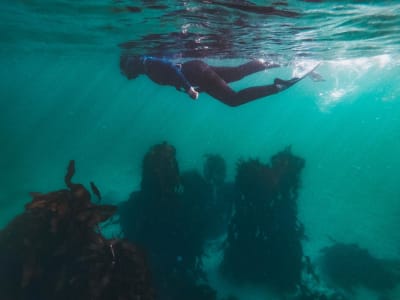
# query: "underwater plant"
[[214, 169], [264, 237], [223, 194], [167, 218], [160, 171], [349, 266], [54, 250]]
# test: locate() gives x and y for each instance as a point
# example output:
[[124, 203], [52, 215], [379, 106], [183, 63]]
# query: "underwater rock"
[[263, 245], [54, 250], [349, 266]]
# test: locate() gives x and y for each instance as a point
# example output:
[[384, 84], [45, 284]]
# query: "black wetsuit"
[[164, 72], [212, 80]]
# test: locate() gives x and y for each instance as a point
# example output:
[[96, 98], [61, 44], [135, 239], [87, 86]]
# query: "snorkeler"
[[196, 76]]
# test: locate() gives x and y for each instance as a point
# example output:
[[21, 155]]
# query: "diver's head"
[[131, 65]]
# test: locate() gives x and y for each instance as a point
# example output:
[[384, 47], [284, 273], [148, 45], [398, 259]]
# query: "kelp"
[[55, 250], [264, 237], [167, 217], [349, 266]]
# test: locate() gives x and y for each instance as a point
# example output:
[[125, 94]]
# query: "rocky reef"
[[176, 214], [55, 250], [349, 266], [167, 218], [264, 237]]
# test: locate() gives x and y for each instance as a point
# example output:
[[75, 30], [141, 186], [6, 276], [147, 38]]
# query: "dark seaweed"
[[264, 237], [349, 266], [54, 250], [214, 169], [166, 217]]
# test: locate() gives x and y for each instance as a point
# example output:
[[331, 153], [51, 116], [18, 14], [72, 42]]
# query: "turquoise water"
[[63, 97]]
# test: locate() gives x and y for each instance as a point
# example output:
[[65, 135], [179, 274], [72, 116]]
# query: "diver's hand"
[[193, 93]]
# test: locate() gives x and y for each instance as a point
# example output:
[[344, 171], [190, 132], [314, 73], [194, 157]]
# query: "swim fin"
[[281, 84]]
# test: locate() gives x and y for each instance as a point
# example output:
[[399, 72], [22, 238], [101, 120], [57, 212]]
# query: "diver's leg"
[[244, 96], [208, 80], [250, 94], [231, 74]]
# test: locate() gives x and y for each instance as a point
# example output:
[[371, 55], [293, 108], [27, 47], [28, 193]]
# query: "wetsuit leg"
[[231, 74], [201, 75]]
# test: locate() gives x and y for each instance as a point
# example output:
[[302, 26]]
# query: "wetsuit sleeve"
[[185, 83], [165, 72]]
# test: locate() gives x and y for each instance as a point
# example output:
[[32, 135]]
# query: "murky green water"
[[63, 97]]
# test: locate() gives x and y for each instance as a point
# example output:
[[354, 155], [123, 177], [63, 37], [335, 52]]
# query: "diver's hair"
[[130, 65], [126, 59]]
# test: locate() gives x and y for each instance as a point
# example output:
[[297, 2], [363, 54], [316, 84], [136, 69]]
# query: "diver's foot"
[[281, 84]]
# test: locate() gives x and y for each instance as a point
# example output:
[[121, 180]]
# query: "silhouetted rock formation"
[[264, 237], [166, 217], [54, 250], [349, 266]]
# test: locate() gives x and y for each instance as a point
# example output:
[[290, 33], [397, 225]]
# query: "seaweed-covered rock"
[[160, 171], [166, 218], [264, 238], [349, 266], [210, 196], [54, 250]]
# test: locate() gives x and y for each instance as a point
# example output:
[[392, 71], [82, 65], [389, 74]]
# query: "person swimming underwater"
[[196, 76]]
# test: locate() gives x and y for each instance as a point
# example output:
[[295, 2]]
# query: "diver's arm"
[[190, 90], [185, 83], [163, 71]]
